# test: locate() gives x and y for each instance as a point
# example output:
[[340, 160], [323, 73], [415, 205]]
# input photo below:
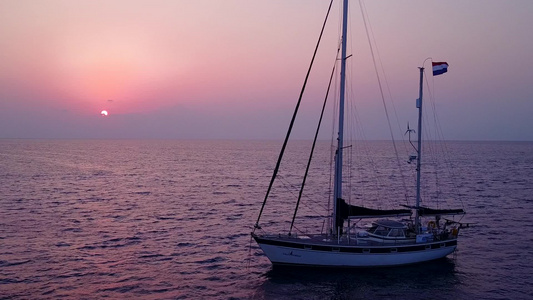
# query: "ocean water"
[[90, 219]]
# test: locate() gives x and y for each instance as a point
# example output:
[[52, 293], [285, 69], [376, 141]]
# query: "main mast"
[[337, 188]]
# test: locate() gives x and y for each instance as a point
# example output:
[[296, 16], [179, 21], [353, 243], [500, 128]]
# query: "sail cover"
[[345, 210]]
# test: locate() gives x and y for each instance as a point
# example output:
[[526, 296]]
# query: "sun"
[[104, 113]]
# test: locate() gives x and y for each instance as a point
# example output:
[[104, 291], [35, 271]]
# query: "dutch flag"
[[439, 68]]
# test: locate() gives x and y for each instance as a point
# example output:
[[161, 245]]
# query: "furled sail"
[[346, 210], [425, 211]]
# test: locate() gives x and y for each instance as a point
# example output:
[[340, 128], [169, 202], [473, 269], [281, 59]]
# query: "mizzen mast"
[[419, 151]]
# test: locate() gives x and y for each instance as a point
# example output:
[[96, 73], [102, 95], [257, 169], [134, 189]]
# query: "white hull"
[[354, 256]]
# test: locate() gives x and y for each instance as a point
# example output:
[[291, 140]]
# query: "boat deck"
[[325, 240]]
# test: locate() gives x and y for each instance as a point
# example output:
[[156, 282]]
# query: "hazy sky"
[[233, 69]]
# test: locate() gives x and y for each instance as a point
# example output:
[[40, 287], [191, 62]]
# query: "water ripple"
[[172, 220]]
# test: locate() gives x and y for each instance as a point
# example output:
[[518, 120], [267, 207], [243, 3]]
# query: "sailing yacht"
[[396, 237]]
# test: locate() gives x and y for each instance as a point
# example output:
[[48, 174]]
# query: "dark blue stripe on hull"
[[358, 249]]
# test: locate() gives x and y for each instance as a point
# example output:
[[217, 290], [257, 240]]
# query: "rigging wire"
[[314, 143], [292, 120], [403, 138], [364, 148], [433, 139], [359, 130], [439, 135], [291, 188], [332, 146], [363, 6], [354, 122], [383, 100]]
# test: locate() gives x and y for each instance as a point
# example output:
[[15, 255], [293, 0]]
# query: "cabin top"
[[388, 229]]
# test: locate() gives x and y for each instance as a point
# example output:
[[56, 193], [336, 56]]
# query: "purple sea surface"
[[90, 219]]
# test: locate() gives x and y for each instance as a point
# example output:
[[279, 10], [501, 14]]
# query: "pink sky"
[[233, 69]]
